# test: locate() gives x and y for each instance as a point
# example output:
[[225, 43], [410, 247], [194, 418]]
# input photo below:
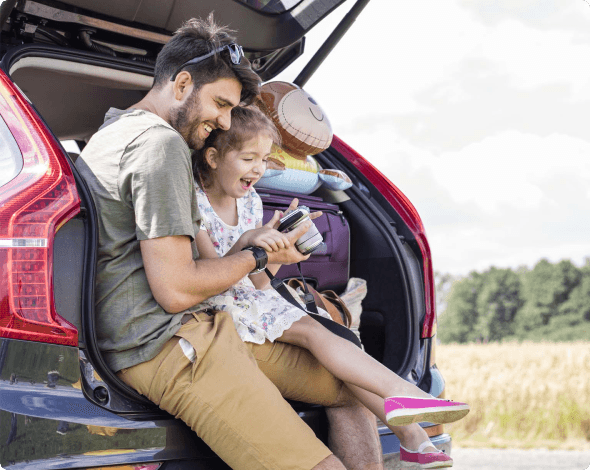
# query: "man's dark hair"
[[197, 37]]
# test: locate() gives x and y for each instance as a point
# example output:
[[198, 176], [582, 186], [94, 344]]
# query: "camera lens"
[[309, 241]]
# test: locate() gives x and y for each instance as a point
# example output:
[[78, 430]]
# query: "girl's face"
[[235, 173]]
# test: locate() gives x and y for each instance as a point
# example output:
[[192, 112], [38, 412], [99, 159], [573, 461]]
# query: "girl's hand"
[[293, 206], [267, 236], [291, 254]]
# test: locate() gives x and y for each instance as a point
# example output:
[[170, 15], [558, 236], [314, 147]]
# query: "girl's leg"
[[410, 436], [347, 362]]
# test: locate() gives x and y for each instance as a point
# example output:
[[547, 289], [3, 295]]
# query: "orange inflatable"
[[305, 131]]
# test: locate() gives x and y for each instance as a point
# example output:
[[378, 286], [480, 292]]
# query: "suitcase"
[[328, 266]]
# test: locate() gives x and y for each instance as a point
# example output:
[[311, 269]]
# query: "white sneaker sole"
[[426, 465], [436, 415], [404, 463]]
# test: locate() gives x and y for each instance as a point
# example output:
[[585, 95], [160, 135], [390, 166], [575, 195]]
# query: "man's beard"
[[187, 127]]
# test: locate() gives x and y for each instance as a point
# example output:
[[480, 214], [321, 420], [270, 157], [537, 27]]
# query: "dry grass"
[[521, 394]]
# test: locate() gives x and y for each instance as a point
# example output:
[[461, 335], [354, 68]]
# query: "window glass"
[[271, 6], [11, 159]]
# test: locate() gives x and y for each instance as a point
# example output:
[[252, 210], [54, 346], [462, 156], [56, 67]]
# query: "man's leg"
[[224, 397], [354, 437], [299, 376]]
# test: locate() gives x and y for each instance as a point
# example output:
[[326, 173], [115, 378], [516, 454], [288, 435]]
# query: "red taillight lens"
[[33, 206], [411, 218]]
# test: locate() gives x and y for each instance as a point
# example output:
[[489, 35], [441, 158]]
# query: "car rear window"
[[271, 6], [11, 159]]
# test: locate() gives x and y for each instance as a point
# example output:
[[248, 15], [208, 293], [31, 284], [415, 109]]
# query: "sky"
[[479, 111]]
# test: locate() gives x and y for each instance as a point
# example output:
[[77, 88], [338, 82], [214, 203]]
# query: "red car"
[[63, 64]]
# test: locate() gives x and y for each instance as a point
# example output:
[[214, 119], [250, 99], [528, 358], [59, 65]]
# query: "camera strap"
[[278, 285]]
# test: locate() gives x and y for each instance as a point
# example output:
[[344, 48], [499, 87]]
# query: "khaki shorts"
[[225, 397]]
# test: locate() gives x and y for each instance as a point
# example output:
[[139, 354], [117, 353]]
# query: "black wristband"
[[260, 256]]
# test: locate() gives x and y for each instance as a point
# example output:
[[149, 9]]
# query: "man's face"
[[206, 109]]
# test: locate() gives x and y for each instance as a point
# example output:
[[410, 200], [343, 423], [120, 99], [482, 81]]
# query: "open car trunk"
[[83, 87], [73, 88]]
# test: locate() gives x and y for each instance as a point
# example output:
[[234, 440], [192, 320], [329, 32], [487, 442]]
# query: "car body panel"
[[45, 411]]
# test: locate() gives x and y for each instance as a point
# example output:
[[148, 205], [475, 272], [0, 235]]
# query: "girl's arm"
[[205, 245], [207, 250]]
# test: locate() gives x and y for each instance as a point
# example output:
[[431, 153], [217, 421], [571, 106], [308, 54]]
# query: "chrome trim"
[[23, 243], [441, 439]]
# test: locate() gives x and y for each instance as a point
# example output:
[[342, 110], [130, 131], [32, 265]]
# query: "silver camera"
[[310, 240]]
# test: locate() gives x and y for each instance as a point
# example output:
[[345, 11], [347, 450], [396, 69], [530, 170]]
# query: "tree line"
[[549, 302]]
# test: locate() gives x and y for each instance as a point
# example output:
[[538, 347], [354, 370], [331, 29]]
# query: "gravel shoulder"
[[517, 459]]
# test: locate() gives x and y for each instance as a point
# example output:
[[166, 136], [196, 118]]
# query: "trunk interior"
[[72, 92]]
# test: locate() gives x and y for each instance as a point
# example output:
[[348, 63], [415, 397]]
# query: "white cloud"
[[508, 200], [393, 50], [508, 169], [540, 210], [532, 57], [570, 15]]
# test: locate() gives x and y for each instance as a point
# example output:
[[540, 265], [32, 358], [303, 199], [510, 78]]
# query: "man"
[[193, 364]]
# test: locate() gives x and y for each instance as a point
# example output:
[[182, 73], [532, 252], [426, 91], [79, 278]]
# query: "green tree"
[[497, 304], [442, 284], [576, 309], [460, 317], [545, 288]]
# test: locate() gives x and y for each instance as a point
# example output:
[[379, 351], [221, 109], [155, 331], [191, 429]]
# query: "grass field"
[[523, 395]]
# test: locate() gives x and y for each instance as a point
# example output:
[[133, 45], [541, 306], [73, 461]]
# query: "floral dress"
[[258, 314]]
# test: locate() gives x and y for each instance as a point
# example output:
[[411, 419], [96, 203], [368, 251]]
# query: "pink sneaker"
[[436, 459], [400, 411]]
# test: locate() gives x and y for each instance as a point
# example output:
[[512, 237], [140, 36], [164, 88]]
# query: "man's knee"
[[330, 463], [346, 399]]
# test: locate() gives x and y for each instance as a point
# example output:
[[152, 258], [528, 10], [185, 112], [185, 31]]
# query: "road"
[[514, 459]]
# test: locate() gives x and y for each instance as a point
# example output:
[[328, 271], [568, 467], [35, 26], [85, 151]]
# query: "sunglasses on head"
[[235, 54]]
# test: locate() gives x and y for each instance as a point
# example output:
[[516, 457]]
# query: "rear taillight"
[[33, 205], [410, 217]]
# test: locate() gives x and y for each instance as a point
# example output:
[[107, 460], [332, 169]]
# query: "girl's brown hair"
[[247, 122]]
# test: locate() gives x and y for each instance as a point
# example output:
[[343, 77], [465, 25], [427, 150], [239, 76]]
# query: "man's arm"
[[179, 282]]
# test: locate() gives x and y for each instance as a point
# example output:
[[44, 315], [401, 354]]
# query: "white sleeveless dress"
[[258, 314]]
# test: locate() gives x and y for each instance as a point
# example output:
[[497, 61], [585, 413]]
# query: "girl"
[[226, 170]]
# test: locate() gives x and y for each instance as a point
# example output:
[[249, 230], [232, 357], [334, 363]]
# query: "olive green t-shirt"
[[138, 169]]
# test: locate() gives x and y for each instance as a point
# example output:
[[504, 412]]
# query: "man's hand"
[[280, 247], [290, 254], [267, 236]]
